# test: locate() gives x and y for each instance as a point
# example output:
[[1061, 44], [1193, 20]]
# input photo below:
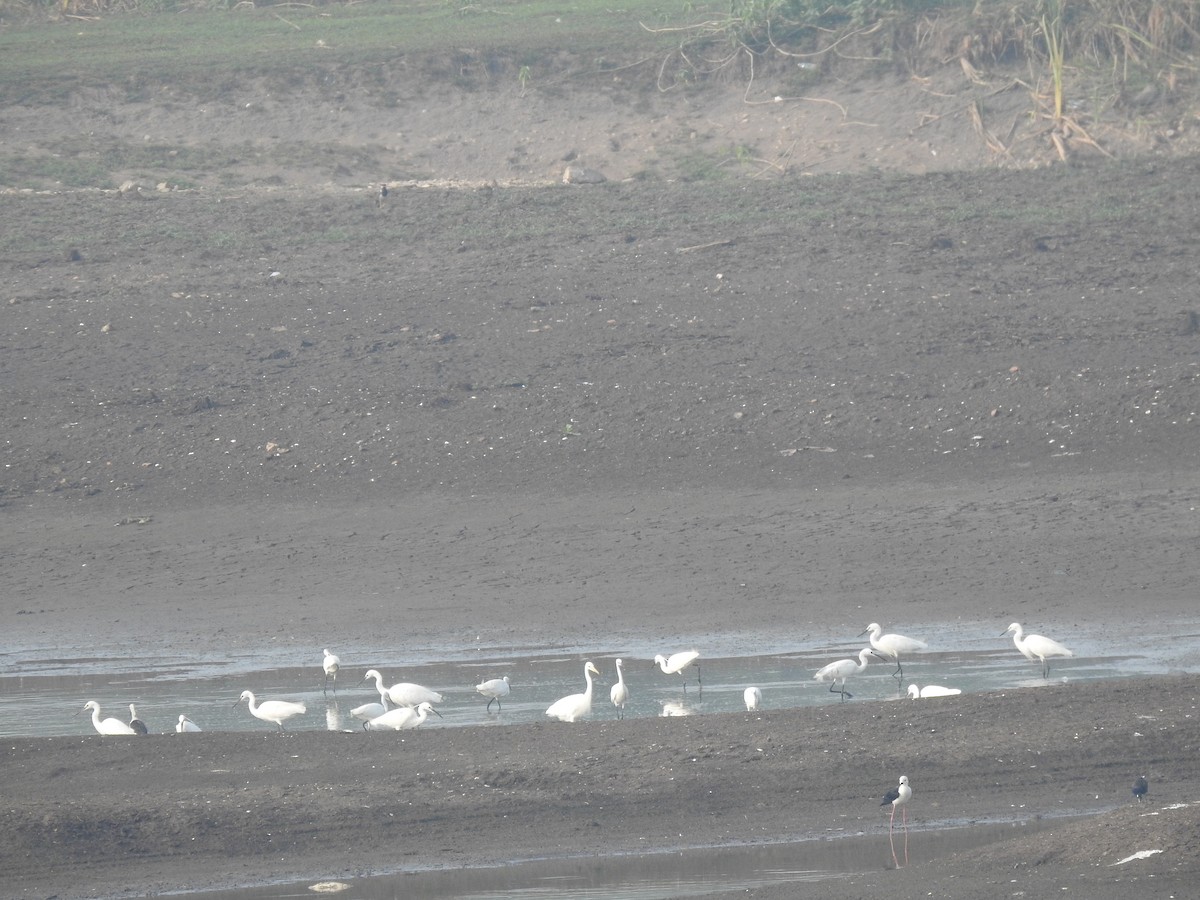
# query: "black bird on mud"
[[1141, 787]]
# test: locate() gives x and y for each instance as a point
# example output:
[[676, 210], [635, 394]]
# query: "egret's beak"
[[435, 712], [1004, 632], [864, 631]]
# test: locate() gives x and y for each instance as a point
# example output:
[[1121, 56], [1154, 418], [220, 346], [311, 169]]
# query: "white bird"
[[135, 723], [277, 711], [105, 726], [619, 692], [575, 706], [186, 725], [842, 669], [369, 711], [753, 698], [330, 664], [931, 690], [1035, 645], [494, 689], [672, 708], [893, 646], [678, 662], [898, 797], [402, 718], [404, 693]]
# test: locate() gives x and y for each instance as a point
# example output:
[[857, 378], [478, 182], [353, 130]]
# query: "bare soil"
[[267, 410]]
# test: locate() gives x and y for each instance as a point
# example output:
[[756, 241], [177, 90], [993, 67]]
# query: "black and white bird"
[[135, 723], [1141, 787], [898, 797], [382, 195]]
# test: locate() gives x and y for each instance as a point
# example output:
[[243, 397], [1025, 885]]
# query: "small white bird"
[[931, 690], [404, 693], [402, 718], [277, 711], [842, 669], [677, 663], [753, 698], [369, 711], [494, 689], [110, 725], [619, 692], [575, 706], [330, 664], [893, 646], [186, 725], [1035, 645], [135, 723]]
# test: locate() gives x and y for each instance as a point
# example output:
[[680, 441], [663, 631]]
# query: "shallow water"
[[41, 692]]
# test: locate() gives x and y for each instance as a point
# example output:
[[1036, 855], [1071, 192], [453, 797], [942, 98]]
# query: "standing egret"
[[330, 664], [110, 725], [753, 698], [842, 669], [893, 646], [619, 692], [186, 725], [404, 693], [135, 723], [1032, 645], [277, 711], [402, 718], [575, 706], [494, 689], [1141, 787], [931, 690], [898, 797], [678, 662]]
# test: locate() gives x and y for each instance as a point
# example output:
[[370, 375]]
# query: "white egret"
[[1035, 645], [842, 669], [898, 797], [575, 706], [753, 698], [619, 692], [672, 708], [186, 725], [330, 664], [369, 711], [931, 690], [494, 689], [402, 718], [110, 725], [135, 723], [1141, 787], [404, 693], [893, 646], [677, 663], [277, 711]]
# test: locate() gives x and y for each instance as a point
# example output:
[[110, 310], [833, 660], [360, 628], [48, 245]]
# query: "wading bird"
[[575, 706], [110, 725], [677, 663], [277, 711], [1035, 645], [330, 664], [1141, 787], [931, 690], [893, 646], [619, 692], [405, 693], [135, 723], [402, 718], [186, 725], [753, 698], [838, 672], [494, 689]]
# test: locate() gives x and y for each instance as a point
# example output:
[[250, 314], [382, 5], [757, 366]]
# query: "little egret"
[[105, 726], [576, 706], [402, 718], [898, 797], [893, 646], [672, 708], [1141, 787], [842, 669], [931, 690], [186, 725], [494, 689], [619, 692], [330, 664], [753, 698], [405, 693], [1035, 645], [369, 711], [677, 663], [135, 723], [277, 711]]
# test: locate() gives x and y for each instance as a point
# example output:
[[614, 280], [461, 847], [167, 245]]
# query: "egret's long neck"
[[587, 676]]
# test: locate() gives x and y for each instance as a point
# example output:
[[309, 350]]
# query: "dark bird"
[[898, 797], [1141, 787], [135, 723], [382, 195]]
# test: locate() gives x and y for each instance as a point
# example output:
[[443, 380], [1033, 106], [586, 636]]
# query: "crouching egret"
[[753, 698], [402, 718], [575, 706], [931, 690], [186, 725], [330, 664], [898, 797], [277, 711], [837, 672], [110, 725], [135, 723], [494, 689], [893, 646], [405, 693], [677, 663], [1035, 645], [619, 692]]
